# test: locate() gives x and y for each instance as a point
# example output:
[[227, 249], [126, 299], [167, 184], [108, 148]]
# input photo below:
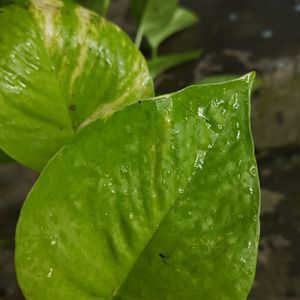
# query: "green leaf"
[[258, 81], [99, 6], [182, 18], [160, 201], [62, 66], [163, 63], [152, 16]]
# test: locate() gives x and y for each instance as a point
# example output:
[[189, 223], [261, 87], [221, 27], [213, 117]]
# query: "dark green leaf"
[[160, 201], [61, 67], [163, 63]]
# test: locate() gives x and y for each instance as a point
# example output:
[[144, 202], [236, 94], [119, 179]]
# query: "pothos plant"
[[140, 197]]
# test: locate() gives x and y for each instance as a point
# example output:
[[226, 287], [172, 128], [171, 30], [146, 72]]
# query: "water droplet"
[[175, 131], [252, 170], [123, 169], [200, 112], [238, 135], [250, 190], [236, 104], [180, 190], [49, 275], [200, 159], [267, 33], [54, 242], [243, 260], [220, 126], [217, 102], [131, 216]]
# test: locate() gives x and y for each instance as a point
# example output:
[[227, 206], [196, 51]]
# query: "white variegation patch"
[[48, 14], [84, 26], [107, 109]]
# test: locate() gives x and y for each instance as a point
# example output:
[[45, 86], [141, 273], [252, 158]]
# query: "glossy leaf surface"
[[160, 201], [62, 66], [163, 63]]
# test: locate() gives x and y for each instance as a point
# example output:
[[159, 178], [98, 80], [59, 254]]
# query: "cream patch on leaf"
[[107, 109], [49, 15], [84, 25]]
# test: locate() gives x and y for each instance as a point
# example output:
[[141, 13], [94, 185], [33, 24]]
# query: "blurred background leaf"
[[159, 64]]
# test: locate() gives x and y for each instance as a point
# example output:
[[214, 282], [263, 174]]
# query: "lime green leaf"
[[160, 201], [99, 6], [62, 66], [181, 19], [163, 63], [152, 16]]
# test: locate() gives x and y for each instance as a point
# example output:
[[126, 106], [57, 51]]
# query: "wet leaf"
[[160, 201], [163, 63], [62, 66]]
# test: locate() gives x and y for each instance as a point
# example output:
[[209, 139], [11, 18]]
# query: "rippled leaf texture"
[[160, 201], [62, 66]]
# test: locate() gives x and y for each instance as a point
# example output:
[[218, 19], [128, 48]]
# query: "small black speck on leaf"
[[140, 102], [72, 107]]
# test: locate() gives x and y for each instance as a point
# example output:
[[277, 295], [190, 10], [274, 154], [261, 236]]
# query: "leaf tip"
[[249, 78]]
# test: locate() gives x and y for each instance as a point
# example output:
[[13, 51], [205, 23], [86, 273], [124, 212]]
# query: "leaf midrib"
[[116, 291], [61, 90]]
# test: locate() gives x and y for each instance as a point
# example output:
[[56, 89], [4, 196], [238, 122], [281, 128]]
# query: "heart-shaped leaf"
[[160, 201], [62, 66]]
